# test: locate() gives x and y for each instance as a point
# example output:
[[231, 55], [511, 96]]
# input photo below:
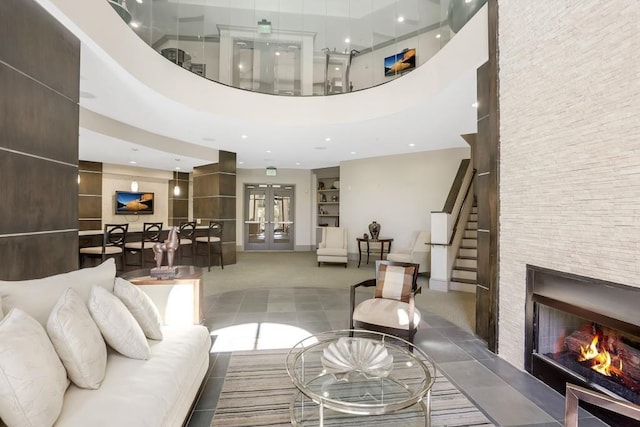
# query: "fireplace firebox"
[[586, 332]]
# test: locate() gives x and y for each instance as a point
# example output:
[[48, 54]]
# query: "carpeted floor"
[[274, 270], [257, 391]]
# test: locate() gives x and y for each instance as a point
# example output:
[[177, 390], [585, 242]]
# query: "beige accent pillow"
[[32, 378], [394, 282], [78, 341], [141, 306], [119, 328]]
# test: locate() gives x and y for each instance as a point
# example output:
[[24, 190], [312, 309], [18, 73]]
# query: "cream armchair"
[[418, 253], [333, 247]]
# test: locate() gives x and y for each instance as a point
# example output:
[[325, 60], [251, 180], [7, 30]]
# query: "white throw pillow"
[[32, 378], [119, 329], [78, 341], [141, 306]]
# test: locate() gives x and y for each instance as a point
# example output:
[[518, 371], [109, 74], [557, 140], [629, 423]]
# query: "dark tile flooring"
[[278, 318]]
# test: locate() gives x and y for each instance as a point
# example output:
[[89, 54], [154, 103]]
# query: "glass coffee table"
[[341, 375]]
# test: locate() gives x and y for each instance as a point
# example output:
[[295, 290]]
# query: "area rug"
[[257, 391]]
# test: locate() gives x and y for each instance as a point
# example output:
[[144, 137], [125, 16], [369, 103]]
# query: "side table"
[[181, 298], [367, 243]]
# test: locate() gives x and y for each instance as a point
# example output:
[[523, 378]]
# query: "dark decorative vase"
[[374, 230]]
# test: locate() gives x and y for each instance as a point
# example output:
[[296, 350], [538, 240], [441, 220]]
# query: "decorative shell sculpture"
[[357, 355]]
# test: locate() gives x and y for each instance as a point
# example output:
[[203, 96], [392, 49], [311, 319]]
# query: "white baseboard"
[[438, 285]]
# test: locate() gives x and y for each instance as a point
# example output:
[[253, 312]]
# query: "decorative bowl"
[[357, 355], [336, 184]]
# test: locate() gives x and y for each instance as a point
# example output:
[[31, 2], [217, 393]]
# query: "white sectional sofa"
[[156, 392]]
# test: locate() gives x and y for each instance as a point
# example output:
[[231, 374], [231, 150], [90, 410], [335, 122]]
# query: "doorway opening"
[[269, 217]]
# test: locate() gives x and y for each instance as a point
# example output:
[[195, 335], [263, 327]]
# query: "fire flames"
[[601, 358]]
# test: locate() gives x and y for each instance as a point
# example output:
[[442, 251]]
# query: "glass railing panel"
[[300, 47]]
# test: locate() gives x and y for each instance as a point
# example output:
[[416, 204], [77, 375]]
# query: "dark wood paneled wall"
[[179, 205], [214, 199], [39, 87], [89, 195], [486, 156]]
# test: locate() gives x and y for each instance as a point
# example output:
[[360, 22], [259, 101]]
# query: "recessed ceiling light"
[[267, 151], [438, 35], [240, 66], [277, 53], [177, 168], [337, 68], [241, 43], [353, 152], [400, 18], [297, 163], [467, 1], [320, 148], [412, 145], [133, 162], [475, 104], [139, 1], [327, 139], [241, 163], [243, 136], [134, 24], [347, 40]]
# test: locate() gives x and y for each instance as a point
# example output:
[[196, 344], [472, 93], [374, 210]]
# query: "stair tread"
[[468, 247], [475, 258], [465, 269], [468, 281]]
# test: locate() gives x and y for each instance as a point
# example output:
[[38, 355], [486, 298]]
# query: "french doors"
[[268, 217]]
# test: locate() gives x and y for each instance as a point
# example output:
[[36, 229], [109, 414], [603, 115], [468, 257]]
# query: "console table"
[[180, 299], [366, 245]]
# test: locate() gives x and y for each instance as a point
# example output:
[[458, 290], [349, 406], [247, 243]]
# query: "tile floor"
[[278, 318]]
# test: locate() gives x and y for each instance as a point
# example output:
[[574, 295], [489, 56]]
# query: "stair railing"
[[446, 226]]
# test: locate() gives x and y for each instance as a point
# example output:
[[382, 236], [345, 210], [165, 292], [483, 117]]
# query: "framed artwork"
[[400, 62]]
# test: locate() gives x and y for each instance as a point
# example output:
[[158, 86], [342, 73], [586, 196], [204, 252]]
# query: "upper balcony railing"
[[297, 47]]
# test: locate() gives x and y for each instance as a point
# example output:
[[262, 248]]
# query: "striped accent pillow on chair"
[[394, 282]]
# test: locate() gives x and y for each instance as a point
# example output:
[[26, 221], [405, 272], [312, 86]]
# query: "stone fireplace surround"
[[606, 304]]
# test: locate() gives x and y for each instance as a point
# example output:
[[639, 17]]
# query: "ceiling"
[[171, 133]]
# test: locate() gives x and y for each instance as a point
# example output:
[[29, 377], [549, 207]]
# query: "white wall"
[[116, 177], [399, 192], [304, 201]]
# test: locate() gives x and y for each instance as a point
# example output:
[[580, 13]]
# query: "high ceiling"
[[156, 127]]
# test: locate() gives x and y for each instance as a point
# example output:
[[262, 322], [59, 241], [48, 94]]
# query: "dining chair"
[[213, 240], [187, 236], [151, 233], [114, 238]]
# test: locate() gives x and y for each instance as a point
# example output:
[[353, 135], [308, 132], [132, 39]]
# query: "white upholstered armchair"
[[333, 247], [418, 253]]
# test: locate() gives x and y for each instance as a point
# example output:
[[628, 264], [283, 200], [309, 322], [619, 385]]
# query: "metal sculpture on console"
[[170, 246]]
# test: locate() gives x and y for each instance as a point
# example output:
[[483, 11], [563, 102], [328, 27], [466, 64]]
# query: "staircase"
[[464, 276]]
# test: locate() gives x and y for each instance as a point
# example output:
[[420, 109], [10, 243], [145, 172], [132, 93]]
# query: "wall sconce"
[[176, 190]]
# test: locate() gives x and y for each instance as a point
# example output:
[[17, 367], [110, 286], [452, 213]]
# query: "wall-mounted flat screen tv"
[[400, 62], [134, 203]]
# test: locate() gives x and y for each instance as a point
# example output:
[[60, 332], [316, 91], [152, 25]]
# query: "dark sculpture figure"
[[169, 246]]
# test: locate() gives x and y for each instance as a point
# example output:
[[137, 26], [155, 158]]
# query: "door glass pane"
[[256, 215], [282, 216]]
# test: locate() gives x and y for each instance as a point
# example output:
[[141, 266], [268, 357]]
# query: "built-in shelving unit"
[[327, 199]]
